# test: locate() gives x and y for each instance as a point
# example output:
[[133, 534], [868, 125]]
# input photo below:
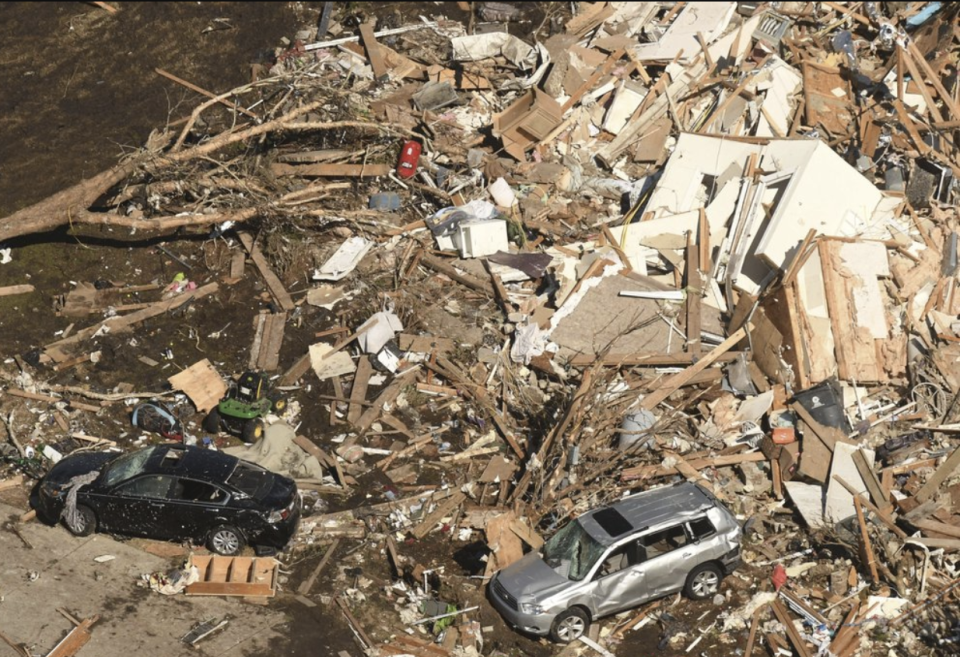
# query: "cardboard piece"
[[325, 366], [201, 383]]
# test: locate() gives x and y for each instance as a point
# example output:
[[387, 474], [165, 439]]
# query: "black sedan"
[[174, 492]]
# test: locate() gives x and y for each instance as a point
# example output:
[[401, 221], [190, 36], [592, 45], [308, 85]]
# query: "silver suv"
[[642, 547]]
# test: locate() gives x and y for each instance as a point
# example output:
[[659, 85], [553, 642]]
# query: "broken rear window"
[[250, 480], [612, 522]]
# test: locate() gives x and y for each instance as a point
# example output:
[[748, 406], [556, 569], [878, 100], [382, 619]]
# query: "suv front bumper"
[[537, 624]]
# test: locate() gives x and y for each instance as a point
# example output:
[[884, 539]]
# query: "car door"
[[620, 580], [136, 506], [195, 507], [668, 556]]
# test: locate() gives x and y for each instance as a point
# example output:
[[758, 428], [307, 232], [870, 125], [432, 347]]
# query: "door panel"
[[137, 507]]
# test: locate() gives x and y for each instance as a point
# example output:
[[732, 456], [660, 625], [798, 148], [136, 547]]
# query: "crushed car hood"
[[531, 577], [78, 464]]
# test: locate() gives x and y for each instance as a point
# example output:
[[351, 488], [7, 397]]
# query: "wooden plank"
[[921, 86], [269, 357], [201, 90], [386, 397], [945, 96], [307, 584], [358, 392], [792, 634], [327, 170], [373, 50], [239, 570], [677, 380], [75, 640], [434, 263], [126, 322], [643, 359], [939, 527], [11, 290], [693, 297], [865, 538], [237, 263], [938, 477], [231, 589], [277, 290], [354, 624], [872, 483], [651, 471], [425, 344], [260, 323], [443, 509], [754, 624]]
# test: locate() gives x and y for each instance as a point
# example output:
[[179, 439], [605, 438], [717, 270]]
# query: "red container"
[[409, 157]]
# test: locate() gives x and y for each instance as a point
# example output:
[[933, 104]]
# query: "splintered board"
[[242, 576]]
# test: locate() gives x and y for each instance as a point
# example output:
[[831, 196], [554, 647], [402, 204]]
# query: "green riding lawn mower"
[[242, 410]]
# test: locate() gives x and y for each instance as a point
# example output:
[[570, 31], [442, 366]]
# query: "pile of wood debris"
[[673, 240]]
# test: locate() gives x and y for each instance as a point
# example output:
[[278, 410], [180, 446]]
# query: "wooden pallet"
[[241, 576]]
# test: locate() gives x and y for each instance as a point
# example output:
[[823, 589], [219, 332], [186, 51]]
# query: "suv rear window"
[[702, 528], [612, 522]]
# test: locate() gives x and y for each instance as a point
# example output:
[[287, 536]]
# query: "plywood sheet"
[[201, 383]]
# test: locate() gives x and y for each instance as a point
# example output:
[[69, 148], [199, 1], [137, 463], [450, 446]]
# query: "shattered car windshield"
[[127, 466], [572, 552]]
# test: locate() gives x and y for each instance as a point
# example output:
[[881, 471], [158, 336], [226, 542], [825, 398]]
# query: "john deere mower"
[[242, 410]]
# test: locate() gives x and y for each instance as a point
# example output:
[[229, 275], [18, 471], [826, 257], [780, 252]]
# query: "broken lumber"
[[676, 381]]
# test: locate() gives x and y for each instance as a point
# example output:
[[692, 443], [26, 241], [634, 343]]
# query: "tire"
[[226, 541], [252, 431], [569, 625], [703, 582], [88, 521], [279, 405], [211, 423]]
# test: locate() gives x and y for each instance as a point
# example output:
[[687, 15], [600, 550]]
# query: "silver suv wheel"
[[705, 583], [571, 628]]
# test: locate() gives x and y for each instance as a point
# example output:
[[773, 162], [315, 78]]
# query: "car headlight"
[[531, 608], [50, 488]]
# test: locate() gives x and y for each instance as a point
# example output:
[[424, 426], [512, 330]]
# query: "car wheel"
[[226, 541], [211, 423], [569, 626], [86, 522], [252, 431], [703, 582]]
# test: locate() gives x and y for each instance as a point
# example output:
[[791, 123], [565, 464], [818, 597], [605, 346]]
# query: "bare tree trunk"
[[72, 205]]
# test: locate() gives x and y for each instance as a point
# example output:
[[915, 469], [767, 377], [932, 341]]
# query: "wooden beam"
[[442, 267], [204, 92], [328, 170], [872, 483], [374, 54], [865, 538], [11, 290], [274, 284], [694, 284], [938, 477], [677, 380], [358, 392], [921, 85], [307, 584], [934, 79], [792, 634]]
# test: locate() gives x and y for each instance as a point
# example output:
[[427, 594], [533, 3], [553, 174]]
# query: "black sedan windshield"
[[128, 465]]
